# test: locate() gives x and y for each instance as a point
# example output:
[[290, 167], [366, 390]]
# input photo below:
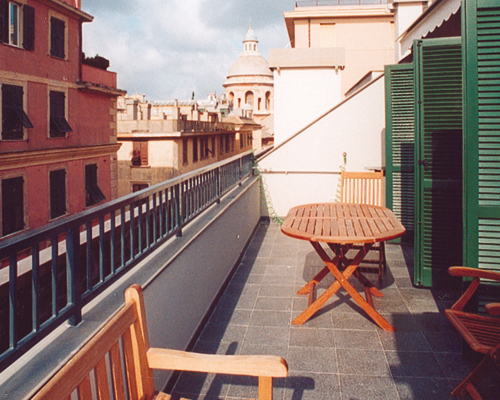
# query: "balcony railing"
[[197, 126], [48, 274], [323, 3]]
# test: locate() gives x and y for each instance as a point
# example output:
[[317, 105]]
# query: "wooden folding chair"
[[118, 362], [365, 188], [482, 333]]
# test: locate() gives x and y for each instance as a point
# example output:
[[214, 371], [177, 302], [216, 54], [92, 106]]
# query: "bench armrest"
[[493, 308], [261, 366], [474, 273]]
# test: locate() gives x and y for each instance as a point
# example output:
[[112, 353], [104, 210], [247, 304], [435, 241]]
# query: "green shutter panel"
[[400, 143], [438, 235], [481, 31]]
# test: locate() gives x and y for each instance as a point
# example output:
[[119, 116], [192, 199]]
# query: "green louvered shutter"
[[400, 143], [438, 178], [481, 32]]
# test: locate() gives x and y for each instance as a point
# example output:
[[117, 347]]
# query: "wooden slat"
[[102, 380], [117, 371], [84, 389], [79, 367], [270, 366]]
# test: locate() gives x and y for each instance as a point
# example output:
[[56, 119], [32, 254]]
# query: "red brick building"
[[58, 135]]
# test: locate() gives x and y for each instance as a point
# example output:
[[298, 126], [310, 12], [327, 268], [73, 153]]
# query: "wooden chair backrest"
[[100, 361], [362, 187]]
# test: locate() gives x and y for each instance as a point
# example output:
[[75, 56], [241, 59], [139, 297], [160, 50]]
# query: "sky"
[[168, 49]]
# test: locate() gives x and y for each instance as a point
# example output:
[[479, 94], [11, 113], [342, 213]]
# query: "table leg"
[[342, 279], [357, 260], [316, 305]]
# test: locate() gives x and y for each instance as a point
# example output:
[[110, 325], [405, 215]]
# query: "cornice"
[[26, 159], [83, 15]]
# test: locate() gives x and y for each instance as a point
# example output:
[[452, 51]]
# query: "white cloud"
[[168, 49]]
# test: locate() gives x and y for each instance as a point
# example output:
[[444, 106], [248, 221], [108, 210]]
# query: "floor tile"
[[367, 387]]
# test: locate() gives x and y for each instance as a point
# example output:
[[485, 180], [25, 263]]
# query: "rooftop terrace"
[[339, 353]]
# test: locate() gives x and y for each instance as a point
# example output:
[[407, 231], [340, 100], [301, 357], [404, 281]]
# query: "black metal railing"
[[197, 126], [323, 3], [48, 274]]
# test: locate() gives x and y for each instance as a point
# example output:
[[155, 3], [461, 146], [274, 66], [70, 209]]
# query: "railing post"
[[240, 164], [218, 183], [12, 300], [74, 271], [178, 208]]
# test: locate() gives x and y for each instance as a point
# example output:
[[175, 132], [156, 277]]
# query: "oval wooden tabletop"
[[342, 223]]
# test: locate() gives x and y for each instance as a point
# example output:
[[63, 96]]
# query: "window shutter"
[[400, 144], [28, 27], [144, 153], [59, 126], [4, 23], [57, 27], [438, 243], [12, 205], [57, 193], [482, 139]]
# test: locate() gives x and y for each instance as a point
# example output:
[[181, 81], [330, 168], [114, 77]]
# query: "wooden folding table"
[[341, 226]]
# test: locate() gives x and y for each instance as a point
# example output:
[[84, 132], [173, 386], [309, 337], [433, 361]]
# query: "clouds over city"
[[167, 49]]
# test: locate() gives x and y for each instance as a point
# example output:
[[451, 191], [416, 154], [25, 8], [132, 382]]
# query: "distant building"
[[164, 139], [333, 47], [250, 88], [58, 135]]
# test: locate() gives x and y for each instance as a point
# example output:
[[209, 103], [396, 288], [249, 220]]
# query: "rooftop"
[[339, 353]]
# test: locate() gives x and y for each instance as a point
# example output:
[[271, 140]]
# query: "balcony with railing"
[[218, 278]]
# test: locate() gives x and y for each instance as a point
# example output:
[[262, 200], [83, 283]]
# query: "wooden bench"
[[97, 369], [482, 333]]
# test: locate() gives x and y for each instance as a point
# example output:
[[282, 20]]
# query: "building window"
[[213, 146], [228, 143], [93, 194], [184, 151], [14, 119], [57, 42], [268, 100], [221, 144], [12, 205], [59, 126], [140, 154], [14, 20], [195, 149], [137, 187], [57, 193], [249, 98]]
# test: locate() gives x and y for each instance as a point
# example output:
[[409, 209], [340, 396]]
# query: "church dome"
[[250, 62], [247, 64]]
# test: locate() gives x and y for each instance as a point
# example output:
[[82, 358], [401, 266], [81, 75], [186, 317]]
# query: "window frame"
[[19, 110], [24, 24], [60, 52], [140, 153], [58, 125]]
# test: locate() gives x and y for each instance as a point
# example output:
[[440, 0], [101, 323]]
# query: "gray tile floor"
[[339, 353]]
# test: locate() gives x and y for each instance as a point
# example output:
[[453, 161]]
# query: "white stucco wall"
[[302, 95], [306, 168]]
